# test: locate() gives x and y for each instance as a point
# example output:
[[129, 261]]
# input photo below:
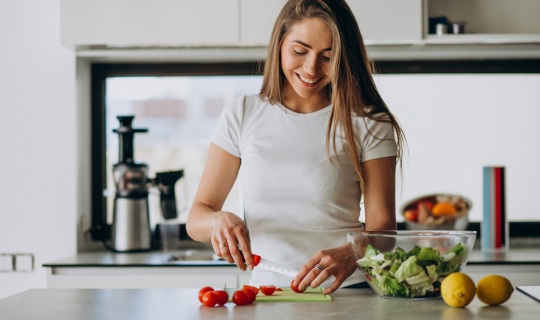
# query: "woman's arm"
[[379, 204], [206, 222], [380, 194]]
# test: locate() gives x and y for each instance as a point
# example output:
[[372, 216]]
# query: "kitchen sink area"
[[193, 255]]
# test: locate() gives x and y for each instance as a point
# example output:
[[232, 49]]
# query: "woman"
[[315, 140]]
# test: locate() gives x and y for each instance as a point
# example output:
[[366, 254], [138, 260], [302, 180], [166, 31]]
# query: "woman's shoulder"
[[253, 100], [253, 103]]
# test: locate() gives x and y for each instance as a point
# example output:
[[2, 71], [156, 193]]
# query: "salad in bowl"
[[410, 264]]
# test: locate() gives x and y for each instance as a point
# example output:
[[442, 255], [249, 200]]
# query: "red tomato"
[[210, 298], [256, 259], [411, 214], [222, 296], [252, 288], [203, 291], [268, 290], [295, 288], [240, 298], [250, 294]]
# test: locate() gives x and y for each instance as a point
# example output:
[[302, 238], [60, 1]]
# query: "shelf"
[[483, 39]]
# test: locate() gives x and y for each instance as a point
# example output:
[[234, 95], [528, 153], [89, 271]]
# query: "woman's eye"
[[325, 58], [299, 52]]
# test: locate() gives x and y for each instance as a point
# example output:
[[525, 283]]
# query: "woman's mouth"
[[308, 81]]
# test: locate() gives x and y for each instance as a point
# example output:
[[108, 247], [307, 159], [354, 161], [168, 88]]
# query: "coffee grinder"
[[131, 229]]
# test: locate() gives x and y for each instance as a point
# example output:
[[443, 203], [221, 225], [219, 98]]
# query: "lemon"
[[458, 290], [494, 289]]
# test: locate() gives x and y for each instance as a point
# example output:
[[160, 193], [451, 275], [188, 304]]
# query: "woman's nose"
[[311, 64]]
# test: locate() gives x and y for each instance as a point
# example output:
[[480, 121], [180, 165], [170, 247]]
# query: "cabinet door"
[[147, 23], [388, 21], [257, 19]]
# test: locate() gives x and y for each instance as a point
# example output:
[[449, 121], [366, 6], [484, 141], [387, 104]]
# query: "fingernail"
[[250, 267]]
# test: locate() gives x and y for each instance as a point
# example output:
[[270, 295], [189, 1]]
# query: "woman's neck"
[[296, 103]]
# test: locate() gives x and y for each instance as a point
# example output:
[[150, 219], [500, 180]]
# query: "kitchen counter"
[[197, 268], [162, 304], [522, 256]]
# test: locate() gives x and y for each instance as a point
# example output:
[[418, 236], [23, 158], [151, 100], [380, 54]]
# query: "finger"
[[245, 248], [335, 285], [320, 275], [215, 245], [234, 252]]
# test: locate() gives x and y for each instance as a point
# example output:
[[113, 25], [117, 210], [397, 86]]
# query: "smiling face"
[[305, 61]]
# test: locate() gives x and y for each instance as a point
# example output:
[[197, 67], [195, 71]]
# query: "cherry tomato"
[[250, 294], [222, 296], [268, 290], [203, 291], [240, 298], [252, 288], [256, 259], [210, 298], [295, 287], [411, 214]]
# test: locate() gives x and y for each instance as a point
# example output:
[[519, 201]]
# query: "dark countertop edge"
[[134, 265], [518, 229], [214, 265]]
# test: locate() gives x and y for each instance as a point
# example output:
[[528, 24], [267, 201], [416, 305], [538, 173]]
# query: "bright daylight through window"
[[180, 113]]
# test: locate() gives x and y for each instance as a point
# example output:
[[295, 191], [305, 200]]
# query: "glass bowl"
[[410, 264]]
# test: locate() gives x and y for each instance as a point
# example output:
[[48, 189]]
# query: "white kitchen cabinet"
[[389, 21], [257, 18], [380, 21], [217, 277], [149, 23], [145, 277]]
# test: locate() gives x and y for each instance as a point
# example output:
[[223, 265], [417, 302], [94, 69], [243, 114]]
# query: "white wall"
[[456, 124], [38, 134]]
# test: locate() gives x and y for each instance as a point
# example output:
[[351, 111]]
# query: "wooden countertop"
[[60, 304]]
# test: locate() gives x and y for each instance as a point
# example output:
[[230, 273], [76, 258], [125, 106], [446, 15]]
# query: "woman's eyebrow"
[[308, 46]]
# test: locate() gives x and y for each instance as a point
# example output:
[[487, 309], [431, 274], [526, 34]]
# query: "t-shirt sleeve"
[[378, 139], [227, 132]]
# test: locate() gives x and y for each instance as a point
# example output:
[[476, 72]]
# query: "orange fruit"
[[443, 208]]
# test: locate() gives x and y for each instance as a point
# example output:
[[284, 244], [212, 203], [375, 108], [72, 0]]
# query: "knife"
[[260, 262]]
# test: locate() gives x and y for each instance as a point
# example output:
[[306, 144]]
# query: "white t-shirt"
[[295, 201]]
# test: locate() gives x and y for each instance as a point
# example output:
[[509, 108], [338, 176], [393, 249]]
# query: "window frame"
[[100, 230]]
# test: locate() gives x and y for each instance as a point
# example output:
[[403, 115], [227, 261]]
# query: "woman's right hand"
[[230, 240]]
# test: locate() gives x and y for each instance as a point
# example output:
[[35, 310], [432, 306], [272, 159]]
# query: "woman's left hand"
[[337, 262]]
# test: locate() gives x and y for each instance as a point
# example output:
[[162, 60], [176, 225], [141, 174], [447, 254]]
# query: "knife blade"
[[260, 262]]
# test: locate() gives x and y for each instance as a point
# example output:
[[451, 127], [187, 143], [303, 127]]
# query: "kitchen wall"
[[38, 134], [457, 123]]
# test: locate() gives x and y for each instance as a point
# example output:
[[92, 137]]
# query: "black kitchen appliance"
[[131, 229]]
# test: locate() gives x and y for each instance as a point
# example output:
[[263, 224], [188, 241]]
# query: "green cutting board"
[[287, 295]]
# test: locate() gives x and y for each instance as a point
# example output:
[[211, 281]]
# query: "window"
[[180, 108], [180, 103]]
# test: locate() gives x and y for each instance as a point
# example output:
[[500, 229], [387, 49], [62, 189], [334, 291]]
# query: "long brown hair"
[[352, 90]]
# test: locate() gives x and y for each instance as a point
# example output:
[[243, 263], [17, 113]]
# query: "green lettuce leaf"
[[409, 268]]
